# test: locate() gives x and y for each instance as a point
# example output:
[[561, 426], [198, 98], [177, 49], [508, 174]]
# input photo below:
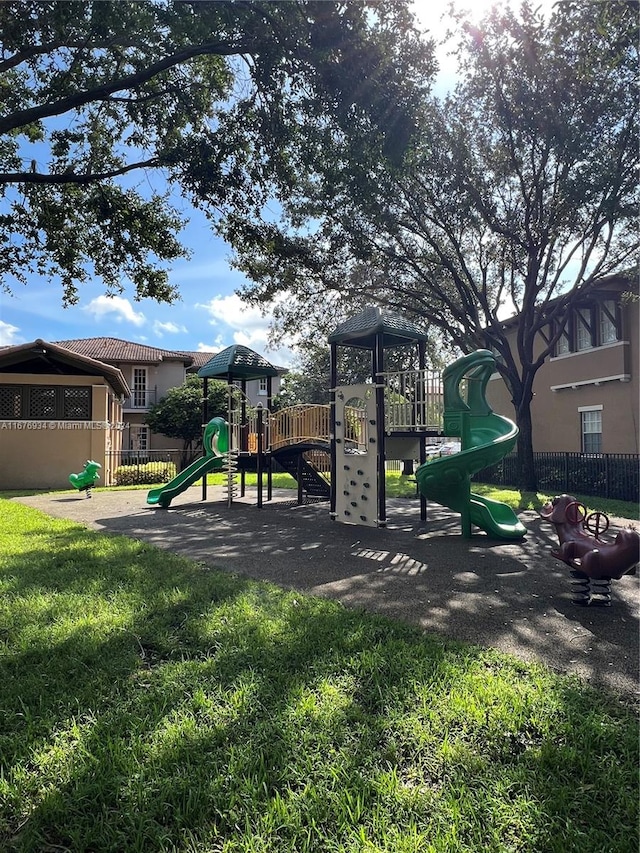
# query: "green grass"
[[399, 486], [153, 704]]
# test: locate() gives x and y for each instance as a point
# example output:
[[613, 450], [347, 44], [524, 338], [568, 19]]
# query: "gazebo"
[[239, 362]]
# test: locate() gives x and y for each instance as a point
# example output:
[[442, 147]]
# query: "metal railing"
[[140, 399], [602, 475], [414, 400], [128, 467]]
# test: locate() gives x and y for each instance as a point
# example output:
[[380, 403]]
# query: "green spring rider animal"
[[84, 481]]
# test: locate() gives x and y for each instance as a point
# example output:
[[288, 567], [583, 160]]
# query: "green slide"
[[485, 438], [215, 442]]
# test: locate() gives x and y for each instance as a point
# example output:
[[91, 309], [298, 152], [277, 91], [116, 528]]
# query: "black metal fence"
[[606, 475], [602, 475]]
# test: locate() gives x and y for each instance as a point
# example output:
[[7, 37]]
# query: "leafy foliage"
[[516, 193], [109, 107], [152, 472], [179, 413]]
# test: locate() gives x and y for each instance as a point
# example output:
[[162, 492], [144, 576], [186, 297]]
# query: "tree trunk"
[[407, 467], [527, 480]]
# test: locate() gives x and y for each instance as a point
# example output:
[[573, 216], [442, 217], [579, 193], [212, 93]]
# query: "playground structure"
[[485, 439], [87, 478], [593, 561], [215, 443], [338, 452]]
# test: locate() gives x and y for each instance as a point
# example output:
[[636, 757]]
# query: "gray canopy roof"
[[237, 362], [363, 330]]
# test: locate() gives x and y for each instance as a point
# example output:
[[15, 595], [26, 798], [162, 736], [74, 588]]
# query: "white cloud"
[[248, 325], [217, 345], [103, 306], [8, 336], [231, 310], [168, 328]]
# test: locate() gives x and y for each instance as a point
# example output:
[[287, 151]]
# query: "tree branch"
[[23, 117], [73, 177], [49, 47]]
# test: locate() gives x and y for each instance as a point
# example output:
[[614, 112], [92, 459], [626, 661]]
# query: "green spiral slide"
[[215, 443], [485, 438]]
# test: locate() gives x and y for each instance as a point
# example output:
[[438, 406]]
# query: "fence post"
[[607, 488], [565, 487]]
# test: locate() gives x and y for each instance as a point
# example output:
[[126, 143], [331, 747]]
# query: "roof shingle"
[[115, 350]]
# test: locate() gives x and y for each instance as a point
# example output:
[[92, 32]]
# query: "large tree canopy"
[[518, 191], [213, 98]]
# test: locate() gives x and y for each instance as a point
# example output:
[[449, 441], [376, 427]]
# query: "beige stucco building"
[[66, 402], [150, 372], [57, 410], [586, 396]]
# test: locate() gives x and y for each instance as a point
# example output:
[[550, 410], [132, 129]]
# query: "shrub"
[[151, 472]]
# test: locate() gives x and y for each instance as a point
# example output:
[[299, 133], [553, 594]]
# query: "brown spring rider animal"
[[593, 561]]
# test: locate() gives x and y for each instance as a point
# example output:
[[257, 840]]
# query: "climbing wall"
[[356, 456]]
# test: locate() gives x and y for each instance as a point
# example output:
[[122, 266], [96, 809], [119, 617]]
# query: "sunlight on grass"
[[402, 486], [151, 704]]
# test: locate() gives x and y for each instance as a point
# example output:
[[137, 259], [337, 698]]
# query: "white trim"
[[589, 349], [590, 408], [620, 377]]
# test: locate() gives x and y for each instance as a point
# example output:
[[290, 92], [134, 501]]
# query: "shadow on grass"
[[512, 596], [154, 705]]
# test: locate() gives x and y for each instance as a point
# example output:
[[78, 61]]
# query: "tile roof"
[[112, 350], [41, 353], [199, 359]]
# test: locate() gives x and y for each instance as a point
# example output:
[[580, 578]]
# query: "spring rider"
[[593, 561], [86, 479]]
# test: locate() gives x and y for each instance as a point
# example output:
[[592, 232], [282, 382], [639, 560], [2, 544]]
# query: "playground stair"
[[291, 459]]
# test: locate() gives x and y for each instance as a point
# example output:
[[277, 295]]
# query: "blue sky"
[[209, 316]]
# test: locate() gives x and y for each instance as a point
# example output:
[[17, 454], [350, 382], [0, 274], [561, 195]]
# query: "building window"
[[608, 322], [591, 430], [590, 326], [584, 326], [139, 387], [563, 344], [139, 438], [44, 402], [262, 385]]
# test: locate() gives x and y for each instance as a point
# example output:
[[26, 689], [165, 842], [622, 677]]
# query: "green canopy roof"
[[237, 362], [363, 330]]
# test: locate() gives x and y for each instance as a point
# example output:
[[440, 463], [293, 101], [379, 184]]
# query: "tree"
[[102, 100], [518, 191], [179, 413]]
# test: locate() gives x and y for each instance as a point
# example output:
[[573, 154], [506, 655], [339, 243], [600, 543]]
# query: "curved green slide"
[[485, 438], [216, 443]]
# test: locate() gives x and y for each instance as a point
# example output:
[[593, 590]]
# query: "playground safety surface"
[[512, 596]]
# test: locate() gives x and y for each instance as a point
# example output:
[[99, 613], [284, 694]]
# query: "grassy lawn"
[[152, 704], [399, 486]]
